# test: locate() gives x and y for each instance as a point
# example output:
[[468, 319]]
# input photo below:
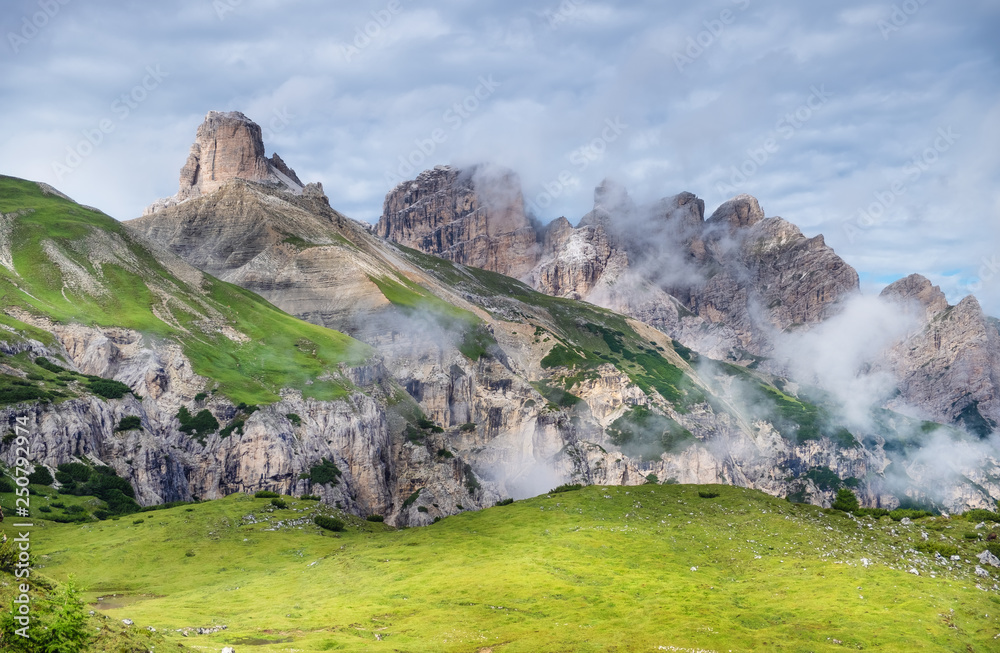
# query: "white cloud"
[[354, 116]]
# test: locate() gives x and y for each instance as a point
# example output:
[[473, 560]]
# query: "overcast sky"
[[876, 124]]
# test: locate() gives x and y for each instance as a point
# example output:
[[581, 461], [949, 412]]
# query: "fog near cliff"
[[841, 354]]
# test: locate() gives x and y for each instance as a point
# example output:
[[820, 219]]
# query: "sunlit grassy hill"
[[71, 264], [645, 568]]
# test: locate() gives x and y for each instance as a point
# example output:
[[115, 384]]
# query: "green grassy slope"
[[74, 264], [601, 569]]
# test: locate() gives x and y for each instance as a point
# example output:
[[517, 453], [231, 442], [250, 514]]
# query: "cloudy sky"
[[876, 124]]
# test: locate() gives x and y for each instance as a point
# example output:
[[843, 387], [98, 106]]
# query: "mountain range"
[[460, 351]]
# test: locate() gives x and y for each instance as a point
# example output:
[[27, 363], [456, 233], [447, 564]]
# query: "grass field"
[[648, 568]]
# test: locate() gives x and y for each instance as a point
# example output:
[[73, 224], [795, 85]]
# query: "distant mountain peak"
[[228, 145]]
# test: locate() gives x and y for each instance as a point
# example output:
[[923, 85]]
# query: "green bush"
[[566, 487], [129, 423], [410, 500], [236, 425], [413, 434], [375, 518], [44, 509], [279, 504], [40, 476], [468, 427], [846, 500], [421, 508], [903, 513], [444, 453], [294, 419], [994, 548], [943, 548], [707, 494], [471, 483], [75, 472], [871, 512], [971, 536], [978, 515], [328, 523], [139, 521], [200, 425], [48, 365], [505, 502], [201, 396], [265, 494], [108, 388], [59, 624], [309, 497], [324, 472], [72, 510]]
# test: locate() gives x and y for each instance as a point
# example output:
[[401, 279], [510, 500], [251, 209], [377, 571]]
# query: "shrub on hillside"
[[978, 515], [279, 504], [707, 494], [945, 549], [40, 476], [199, 425], [108, 388], [505, 502], [846, 500], [309, 497], [59, 624], [375, 518], [566, 487], [908, 513], [328, 523], [324, 472], [872, 512], [129, 423], [265, 494]]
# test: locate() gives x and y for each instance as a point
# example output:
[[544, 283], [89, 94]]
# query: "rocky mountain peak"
[[228, 145], [918, 287], [738, 213], [474, 216]]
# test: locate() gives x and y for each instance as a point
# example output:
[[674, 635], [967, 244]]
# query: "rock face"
[[473, 217], [949, 369], [741, 277], [309, 260], [228, 146]]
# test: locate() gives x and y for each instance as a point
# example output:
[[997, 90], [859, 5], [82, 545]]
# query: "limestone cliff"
[[473, 217], [949, 369], [227, 146]]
